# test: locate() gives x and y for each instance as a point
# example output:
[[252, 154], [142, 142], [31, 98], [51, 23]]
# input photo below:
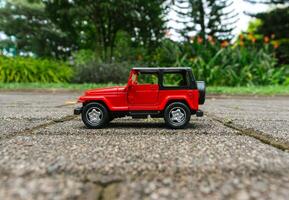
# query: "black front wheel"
[[177, 115], [95, 115]]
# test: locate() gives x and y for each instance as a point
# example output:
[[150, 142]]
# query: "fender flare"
[[174, 99], [88, 99]]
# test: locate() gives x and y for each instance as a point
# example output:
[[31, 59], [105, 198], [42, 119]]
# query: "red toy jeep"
[[172, 93]]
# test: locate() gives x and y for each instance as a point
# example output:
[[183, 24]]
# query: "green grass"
[[69, 86], [250, 90]]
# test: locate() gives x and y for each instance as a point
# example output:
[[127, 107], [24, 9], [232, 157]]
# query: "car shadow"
[[155, 125], [135, 125]]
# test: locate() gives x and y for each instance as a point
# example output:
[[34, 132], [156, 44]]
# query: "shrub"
[[27, 69], [224, 64], [239, 67], [95, 72], [89, 68]]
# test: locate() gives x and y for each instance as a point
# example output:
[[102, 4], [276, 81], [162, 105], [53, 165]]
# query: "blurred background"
[[92, 43]]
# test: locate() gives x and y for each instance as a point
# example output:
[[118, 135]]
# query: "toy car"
[[171, 93]]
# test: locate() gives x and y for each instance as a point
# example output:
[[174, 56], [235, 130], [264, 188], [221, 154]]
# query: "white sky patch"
[[241, 7], [2, 36]]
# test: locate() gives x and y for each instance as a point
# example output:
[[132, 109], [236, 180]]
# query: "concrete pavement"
[[47, 154]]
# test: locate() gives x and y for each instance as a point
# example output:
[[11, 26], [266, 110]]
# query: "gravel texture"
[[269, 115], [139, 159], [36, 106], [23, 111], [10, 127]]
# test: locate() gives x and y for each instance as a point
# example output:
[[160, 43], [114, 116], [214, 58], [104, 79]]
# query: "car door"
[[145, 91]]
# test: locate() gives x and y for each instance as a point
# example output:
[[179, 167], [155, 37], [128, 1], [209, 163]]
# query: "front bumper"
[[77, 111]]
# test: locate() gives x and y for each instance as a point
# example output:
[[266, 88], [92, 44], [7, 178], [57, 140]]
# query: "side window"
[[147, 78], [133, 78], [175, 79]]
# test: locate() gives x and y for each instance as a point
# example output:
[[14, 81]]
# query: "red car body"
[[146, 99]]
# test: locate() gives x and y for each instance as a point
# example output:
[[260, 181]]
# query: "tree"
[[268, 1], [275, 24], [207, 17], [99, 21], [29, 30], [148, 24], [58, 27]]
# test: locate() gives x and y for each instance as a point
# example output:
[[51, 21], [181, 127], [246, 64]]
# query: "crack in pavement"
[[67, 103], [102, 191], [259, 135], [44, 125], [30, 131]]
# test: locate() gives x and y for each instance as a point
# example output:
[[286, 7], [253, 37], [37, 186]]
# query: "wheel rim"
[[94, 115], [177, 116]]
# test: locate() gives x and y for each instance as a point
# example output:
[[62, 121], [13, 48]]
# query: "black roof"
[[157, 69]]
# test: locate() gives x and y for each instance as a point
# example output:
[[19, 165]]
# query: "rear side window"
[[147, 78], [175, 79]]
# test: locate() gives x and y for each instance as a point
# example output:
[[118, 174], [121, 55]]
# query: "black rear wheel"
[[95, 115], [177, 115]]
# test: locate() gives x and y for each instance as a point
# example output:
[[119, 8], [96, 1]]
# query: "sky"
[[240, 7]]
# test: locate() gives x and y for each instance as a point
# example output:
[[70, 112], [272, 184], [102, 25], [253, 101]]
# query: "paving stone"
[[141, 159]]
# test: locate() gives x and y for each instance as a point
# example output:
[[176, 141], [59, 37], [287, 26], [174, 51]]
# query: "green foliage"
[[30, 30], [274, 22], [109, 36], [96, 24], [90, 68], [239, 66], [254, 25], [95, 72], [23, 69], [83, 56], [47, 28], [275, 25], [128, 50], [248, 90], [144, 78], [53, 86], [231, 66]]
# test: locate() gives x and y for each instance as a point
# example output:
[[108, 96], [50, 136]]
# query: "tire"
[[110, 118], [177, 115], [95, 115]]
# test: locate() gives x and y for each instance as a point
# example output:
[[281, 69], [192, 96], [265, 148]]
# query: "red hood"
[[103, 91]]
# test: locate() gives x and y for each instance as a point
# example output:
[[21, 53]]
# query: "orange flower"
[[253, 39], [241, 36], [266, 39], [241, 43], [210, 38], [200, 40], [276, 45], [224, 44]]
